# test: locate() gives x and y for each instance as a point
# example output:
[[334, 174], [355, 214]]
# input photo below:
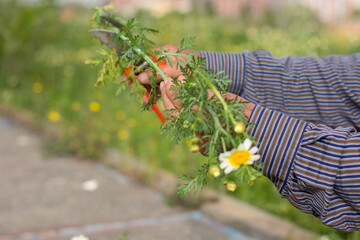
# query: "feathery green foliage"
[[205, 109]]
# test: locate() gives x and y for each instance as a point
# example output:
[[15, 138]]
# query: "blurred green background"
[[42, 52]]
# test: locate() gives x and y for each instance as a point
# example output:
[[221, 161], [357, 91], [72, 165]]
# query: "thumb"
[[164, 88]]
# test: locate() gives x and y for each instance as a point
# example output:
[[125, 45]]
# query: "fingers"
[[168, 104], [171, 71], [166, 94], [171, 94], [144, 77]]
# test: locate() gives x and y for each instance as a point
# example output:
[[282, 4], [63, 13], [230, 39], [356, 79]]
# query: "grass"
[[42, 50]]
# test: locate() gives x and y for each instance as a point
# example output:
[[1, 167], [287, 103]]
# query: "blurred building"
[[332, 10], [157, 7], [89, 3], [327, 10]]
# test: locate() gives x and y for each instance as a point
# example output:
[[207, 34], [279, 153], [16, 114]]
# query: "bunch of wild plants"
[[207, 118]]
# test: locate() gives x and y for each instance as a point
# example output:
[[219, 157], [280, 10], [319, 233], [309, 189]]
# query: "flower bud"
[[239, 127], [194, 148], [231, 186], [251, 183], [195, 140], [193, 84], [214, 171], [186, 124]]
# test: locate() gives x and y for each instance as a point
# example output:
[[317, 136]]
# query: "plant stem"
[[218, 95], [146, 57], [223, 144], [212, 149]]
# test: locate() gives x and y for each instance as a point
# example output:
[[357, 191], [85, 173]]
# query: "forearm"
[[322, 90], [314, 166], [231, 65]]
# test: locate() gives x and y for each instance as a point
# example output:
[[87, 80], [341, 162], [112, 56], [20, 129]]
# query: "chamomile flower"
[[242, 155]]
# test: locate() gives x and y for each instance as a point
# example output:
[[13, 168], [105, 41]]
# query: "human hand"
[[168, 96], [171, 71]]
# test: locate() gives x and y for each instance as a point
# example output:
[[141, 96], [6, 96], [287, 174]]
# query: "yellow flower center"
[[238, 158]]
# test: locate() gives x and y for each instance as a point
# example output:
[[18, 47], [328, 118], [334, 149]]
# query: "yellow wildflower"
[[94, 106], [123, 134], [54, 116], [37, 87]]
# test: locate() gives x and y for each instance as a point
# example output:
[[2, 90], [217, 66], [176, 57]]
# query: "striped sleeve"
[[228, 64], [315, 167], [321, 91]]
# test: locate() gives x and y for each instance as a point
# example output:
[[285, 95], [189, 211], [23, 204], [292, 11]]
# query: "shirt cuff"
[[230, 65], [279, 137]]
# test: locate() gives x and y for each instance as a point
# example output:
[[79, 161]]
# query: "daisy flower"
[[242, 155]]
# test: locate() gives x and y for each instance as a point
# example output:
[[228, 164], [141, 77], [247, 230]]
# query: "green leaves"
[[186, 43], [206, 114], [195, 184]]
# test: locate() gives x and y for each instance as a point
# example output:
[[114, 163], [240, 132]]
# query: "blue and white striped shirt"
[[307, 118]]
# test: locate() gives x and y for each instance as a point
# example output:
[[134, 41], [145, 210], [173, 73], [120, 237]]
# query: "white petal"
[[226, 155], [222, 157], [253, 150], [255, 157], [247, 144], [241, 147], [232, 151], [224, 165], [228, 170], [250, 162]]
